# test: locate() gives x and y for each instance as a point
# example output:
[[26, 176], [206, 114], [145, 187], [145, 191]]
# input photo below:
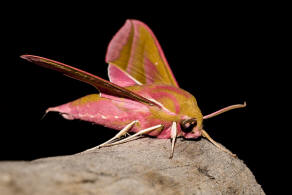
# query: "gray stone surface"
[[137, 167]]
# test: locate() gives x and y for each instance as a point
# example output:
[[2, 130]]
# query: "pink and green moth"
[[142, 96]]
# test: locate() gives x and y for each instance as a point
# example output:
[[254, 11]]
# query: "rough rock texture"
[[137, 167]]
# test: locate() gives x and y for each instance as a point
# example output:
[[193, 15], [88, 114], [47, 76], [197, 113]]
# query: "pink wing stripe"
[[119, 77], [118, 41]]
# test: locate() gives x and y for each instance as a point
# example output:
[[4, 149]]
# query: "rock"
[[137, 167]]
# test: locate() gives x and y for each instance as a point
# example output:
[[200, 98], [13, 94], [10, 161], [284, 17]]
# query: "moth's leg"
[[224, 110], [144, 131], [207, 136], [117, 136], [173, 134]]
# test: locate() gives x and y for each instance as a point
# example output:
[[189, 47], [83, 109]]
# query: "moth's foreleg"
[[173, 137], [117, 136], [207, 136], [144, 131]]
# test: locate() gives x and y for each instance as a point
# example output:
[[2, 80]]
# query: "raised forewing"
[[135, 50], [99, 83]]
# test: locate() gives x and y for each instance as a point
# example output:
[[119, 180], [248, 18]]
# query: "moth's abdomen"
[[114, 113]]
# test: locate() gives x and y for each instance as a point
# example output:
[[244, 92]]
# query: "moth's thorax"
[[177, 101]]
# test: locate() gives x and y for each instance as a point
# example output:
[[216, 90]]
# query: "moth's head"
[[191, 117], [192, 127]]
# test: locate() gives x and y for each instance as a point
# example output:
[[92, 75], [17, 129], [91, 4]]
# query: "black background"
[[221, 56]]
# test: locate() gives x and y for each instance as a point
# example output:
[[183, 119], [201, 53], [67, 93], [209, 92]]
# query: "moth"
[[142, 95]]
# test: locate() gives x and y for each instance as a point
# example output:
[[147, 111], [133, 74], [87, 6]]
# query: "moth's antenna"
[[207, 136], [225, 110], [45, 114]]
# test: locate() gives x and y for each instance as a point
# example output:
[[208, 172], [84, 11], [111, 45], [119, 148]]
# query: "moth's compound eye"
[[188, 124]]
